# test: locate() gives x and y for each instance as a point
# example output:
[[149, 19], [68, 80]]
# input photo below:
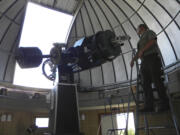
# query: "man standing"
[[151, 65]]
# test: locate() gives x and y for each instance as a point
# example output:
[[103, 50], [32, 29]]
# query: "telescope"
[[86, 53]]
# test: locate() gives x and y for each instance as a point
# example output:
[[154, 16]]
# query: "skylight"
[[42, 27]]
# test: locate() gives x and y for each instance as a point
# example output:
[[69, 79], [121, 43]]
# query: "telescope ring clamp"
[[52, 62], [55, 53], [48, 65]]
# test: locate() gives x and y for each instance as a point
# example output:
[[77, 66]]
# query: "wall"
[[90, 125], [20, 103], [21, 120], [18, 125]]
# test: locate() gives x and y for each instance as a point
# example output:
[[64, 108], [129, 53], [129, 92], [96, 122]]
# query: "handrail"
[[23, 99], [22, 88], [124, 84]]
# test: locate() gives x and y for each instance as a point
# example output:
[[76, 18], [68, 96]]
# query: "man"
[[151, 65]]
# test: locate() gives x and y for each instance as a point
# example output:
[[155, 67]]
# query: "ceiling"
[[91, 16]]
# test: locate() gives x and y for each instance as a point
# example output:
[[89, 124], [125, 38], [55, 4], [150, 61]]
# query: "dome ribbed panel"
[[123, 17], [11, 20], [120, 16], [12, 14], [66, 6]]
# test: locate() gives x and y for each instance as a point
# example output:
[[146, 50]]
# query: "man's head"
[[141, 29]]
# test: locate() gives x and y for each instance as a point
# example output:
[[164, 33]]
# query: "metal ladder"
[[130, 95], [114, 130], [147, 128]]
